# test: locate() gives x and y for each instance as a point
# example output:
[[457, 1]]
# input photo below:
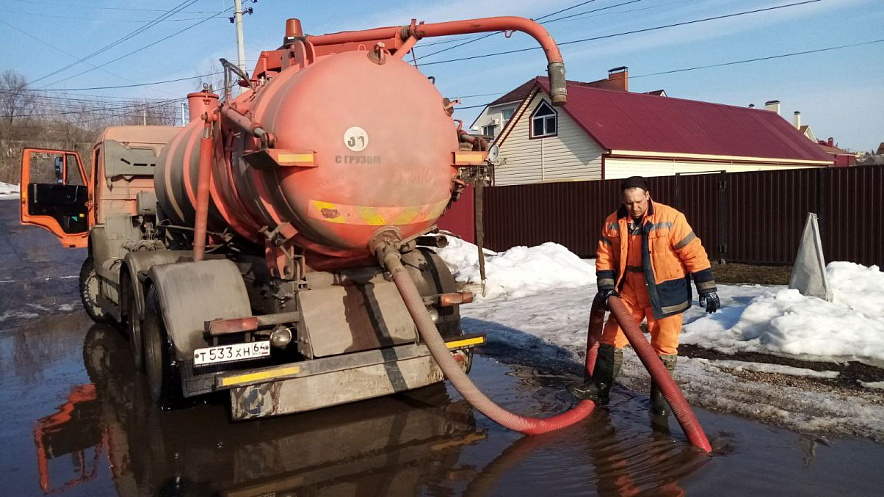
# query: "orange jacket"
[[671, 254]]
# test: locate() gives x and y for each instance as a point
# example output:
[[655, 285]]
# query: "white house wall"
[[624, 168], [570, 156], [492, 114]]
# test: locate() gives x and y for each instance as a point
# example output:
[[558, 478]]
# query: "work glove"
[[603, 295], [710, 301]]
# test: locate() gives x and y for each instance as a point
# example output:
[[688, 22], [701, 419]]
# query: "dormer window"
[[543, 121]]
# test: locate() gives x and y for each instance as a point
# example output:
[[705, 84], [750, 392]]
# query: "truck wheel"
[[159, 355], [89, 288], [133, 322]]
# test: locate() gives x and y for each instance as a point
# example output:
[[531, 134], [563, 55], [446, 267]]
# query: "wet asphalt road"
[[75, 421]]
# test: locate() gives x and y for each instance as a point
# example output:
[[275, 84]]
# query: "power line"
[[624, 33], [56, 48], [107, 47], [126, 9], [487, 35], [142, 48], [625, 11], [757, 59], [722, 64], [135, 85], [41, 15], [581, 14]]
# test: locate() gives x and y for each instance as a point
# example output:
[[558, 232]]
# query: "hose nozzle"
[[557, 85]]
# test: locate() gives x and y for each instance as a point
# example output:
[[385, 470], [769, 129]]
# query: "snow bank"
[[786, 322], [520, 271], [8, 191]]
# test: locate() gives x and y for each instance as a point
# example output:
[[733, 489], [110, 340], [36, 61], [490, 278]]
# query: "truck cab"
[[111, 207]]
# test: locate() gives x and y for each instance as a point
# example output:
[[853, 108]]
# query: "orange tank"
[[336, 138], [382, 148]]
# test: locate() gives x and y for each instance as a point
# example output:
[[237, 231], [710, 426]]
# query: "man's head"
[[635, 196]]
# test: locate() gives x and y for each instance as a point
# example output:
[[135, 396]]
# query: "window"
[[507, 114], [488, 130], [543, 121]]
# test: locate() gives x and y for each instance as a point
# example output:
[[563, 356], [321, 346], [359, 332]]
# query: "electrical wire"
[[217, 14], [107, 47], [624, 33], [729, 63]]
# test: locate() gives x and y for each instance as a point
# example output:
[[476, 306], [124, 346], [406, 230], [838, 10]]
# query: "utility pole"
[[241, 49], [183, 114], [144, 114]]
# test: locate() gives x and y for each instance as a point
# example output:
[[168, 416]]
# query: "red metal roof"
[[620, 120]]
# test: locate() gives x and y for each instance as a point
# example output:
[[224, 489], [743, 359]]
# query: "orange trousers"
[[664, 332]]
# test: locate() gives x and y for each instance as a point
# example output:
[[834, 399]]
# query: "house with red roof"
[[497, 114], [613, 133]]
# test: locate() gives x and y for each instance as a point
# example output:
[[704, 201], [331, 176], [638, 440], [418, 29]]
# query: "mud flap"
[[191, 293]]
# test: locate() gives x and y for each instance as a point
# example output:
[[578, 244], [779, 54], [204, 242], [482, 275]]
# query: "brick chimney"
[[773, 106], [830, 142], [797, 120], [620, 76]]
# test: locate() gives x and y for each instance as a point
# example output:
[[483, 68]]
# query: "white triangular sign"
[[809, 272]]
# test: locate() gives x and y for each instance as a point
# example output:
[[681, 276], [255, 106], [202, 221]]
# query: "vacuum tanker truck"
[[279, 246]]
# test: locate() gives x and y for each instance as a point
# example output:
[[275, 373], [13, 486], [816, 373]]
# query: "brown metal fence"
[[754, 217]]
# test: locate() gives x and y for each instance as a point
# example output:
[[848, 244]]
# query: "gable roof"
[[523, 90], [625, 121]]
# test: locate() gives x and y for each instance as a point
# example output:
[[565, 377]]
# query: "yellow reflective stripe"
[[465, 343], [605, 282], [675, 308], [263, 375], [685, 241], [467, 158], [373, 215], [326, 211], [664, 224], [307, 157], [705, 285]]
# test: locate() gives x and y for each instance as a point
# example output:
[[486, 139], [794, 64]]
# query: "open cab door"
[[55, 195]]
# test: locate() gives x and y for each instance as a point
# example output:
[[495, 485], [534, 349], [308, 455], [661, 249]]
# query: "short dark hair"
[[634, 182]]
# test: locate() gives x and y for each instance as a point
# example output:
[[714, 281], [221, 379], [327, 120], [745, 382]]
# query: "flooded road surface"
[[75, 421]]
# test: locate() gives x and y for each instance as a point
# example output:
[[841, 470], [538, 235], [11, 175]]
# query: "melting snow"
[[538, 300], [8, 191]]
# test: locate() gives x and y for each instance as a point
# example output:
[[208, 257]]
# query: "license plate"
[[231, 353]]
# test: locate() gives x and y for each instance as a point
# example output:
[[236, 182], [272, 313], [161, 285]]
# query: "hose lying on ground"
[[528, 425]]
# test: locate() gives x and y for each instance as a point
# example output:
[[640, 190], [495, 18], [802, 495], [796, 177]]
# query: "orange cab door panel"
[[54, 194]]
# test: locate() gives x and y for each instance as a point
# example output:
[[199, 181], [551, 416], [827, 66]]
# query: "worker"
[[647, 256]]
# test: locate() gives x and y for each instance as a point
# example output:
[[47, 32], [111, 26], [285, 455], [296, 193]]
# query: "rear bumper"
[[329, 381]]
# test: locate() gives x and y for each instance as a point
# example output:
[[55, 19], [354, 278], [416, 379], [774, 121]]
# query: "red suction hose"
[[431, 338], [534, 426], [664, 381]]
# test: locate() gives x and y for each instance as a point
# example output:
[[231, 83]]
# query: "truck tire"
[[159, 355], [89, 288], [133, 321]]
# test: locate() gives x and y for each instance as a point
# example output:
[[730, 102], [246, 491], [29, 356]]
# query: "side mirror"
[[59, 170]]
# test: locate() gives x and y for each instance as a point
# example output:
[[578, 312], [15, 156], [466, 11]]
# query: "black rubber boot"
[[659, 406], [607, 367]]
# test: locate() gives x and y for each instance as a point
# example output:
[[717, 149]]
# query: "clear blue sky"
[[840, 93]]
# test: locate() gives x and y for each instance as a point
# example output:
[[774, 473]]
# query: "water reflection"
[[592, 458], [391, 446]]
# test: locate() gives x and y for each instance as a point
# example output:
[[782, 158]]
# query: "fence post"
[[723, 216], [678, 192], [822, 201]]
